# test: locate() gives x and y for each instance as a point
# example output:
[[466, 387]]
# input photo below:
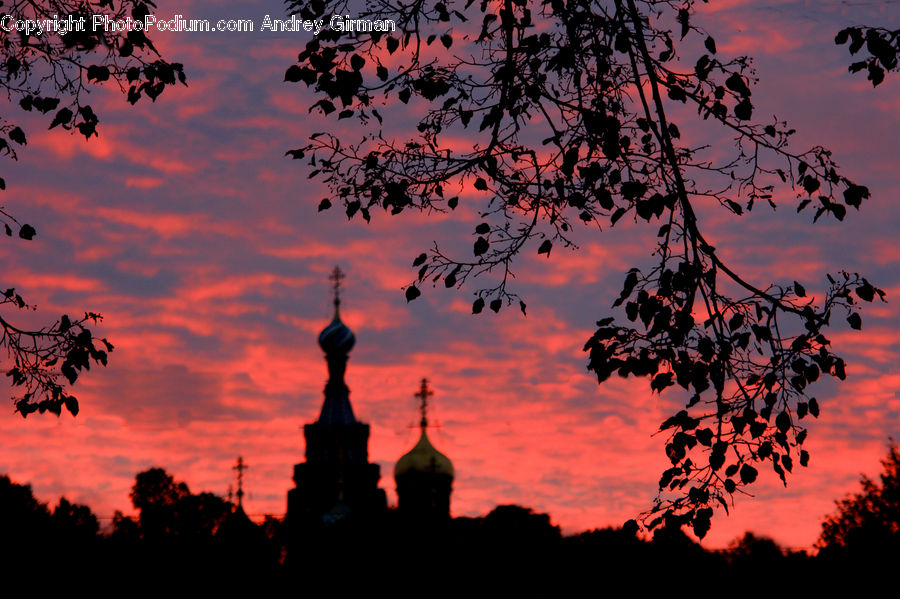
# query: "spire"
[[336, 340]]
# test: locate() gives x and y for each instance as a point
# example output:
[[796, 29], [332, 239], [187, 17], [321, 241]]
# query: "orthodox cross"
[[423, 395], [240, 479], [336, 276]]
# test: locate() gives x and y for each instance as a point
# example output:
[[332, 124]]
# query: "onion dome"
[[336, 338], [423, 458]]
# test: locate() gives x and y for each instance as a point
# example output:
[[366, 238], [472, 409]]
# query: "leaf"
[[876, 74], [787, 462], [326, 106], [522, 307], [98, 72], [855, 321], [325, 204], [481, 246], [838, 210], [842, 36], [69, 372], [18, 136], [735, 207], [27, 232], [630, 528], [736, 84], [72, 405], [545, 247], [496, 305], [866, 291], [783, 422], [810, 184], [748, 474], [799, 289], [855, 194], [661, 381], [481, 184], [63, 117], [710, 44], [412, 292], [702, 522], [293, 74], [420, 260], [478, 306], [392, 44], [744, 110]]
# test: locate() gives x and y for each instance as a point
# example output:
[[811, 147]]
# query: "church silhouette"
[[337, 486]]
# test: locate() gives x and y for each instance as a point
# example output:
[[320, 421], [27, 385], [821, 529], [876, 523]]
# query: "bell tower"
[[336, 482]]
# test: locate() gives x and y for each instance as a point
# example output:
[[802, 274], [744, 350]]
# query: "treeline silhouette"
[[179, 535]]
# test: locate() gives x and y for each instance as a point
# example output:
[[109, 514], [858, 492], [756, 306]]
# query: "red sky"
[[199, 242]]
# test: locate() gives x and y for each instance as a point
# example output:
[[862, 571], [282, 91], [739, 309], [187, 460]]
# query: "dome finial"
[[423, 394], [424, 458], [336, 338], [336, 276]]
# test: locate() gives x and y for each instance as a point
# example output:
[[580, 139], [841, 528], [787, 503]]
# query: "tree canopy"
[[46, 71], [867, 522], [168, 508], [554, 116]]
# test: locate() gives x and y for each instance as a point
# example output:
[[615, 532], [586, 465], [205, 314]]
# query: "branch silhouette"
[[52, 73], [570, 125]]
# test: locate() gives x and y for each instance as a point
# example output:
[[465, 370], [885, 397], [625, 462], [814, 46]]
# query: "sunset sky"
[[186, 226]]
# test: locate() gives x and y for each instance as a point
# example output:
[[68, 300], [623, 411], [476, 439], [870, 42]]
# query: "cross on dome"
[[423, 394], [336, 276]]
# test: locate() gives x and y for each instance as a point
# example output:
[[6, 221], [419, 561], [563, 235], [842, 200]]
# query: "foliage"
[[52, 74], [753, 547], [34, 537], [882, 46], [568, 125], [168, 508], [868, 521]]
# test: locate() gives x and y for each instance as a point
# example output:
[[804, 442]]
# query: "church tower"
[[336, 481], [424, 475]]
